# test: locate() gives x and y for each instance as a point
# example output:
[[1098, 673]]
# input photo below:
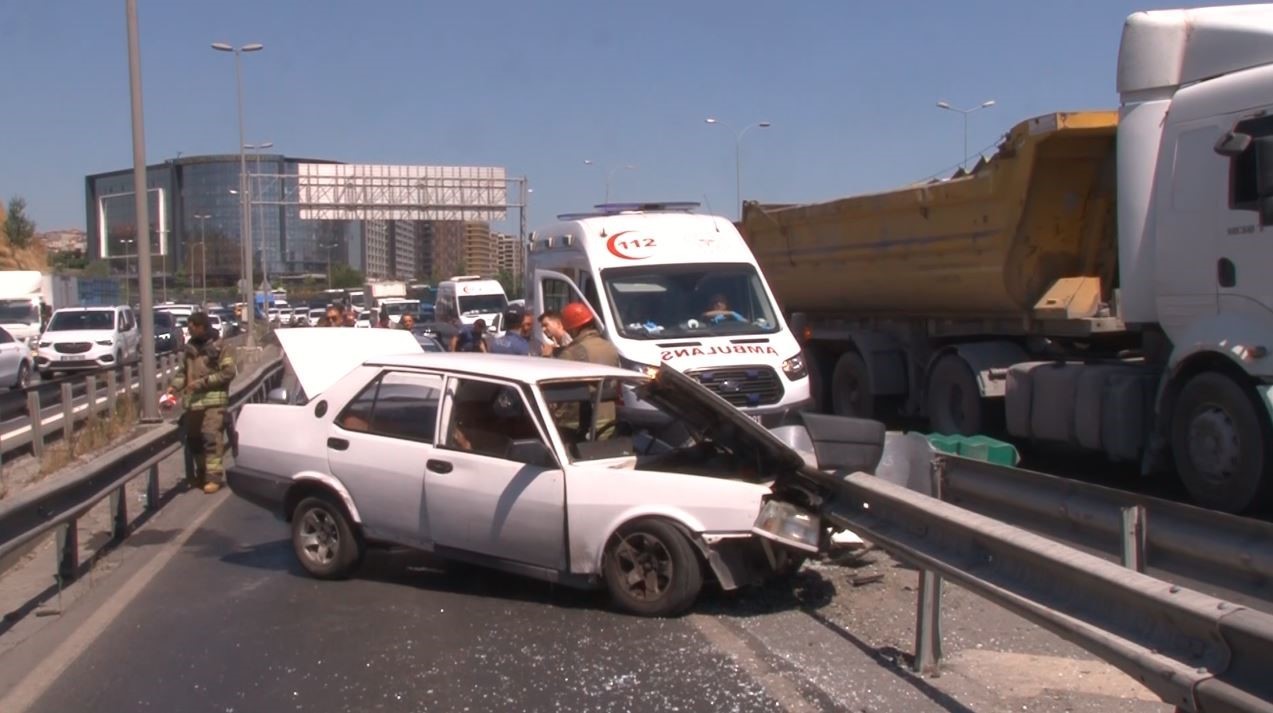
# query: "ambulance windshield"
[[689, 301]]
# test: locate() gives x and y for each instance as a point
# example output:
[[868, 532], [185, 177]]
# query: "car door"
[[552, 291], [378, 446], [10, 358], [492, 485]]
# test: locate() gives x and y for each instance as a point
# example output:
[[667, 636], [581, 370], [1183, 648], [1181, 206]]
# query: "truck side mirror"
[[1233, 144]]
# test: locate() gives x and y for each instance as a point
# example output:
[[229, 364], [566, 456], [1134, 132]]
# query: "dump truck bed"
[[983, 245]]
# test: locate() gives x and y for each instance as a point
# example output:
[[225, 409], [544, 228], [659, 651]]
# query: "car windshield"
[[400, 308], [12, 311], [70, 321], [163, 319], [689, 301], [482, 304]]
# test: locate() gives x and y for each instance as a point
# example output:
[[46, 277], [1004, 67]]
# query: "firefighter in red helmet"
[[586, 343]]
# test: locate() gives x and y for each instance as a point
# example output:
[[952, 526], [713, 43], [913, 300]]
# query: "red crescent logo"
[[614, 248]]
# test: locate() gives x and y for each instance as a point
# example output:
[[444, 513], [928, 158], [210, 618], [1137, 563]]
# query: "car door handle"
[[438, 466], [338, 444]]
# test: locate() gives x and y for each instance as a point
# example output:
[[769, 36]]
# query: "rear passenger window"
[[397, 405]]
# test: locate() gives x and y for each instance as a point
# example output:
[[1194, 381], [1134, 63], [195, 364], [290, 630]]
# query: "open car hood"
[[319, 357], [722, 422]]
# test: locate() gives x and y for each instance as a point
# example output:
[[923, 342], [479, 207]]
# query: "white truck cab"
[[673, 287], [470, 298]]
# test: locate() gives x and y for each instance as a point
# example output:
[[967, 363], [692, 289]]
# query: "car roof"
[[525, 369], [87, 309]]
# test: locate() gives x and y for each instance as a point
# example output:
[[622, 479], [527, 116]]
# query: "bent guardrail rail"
[[1195, 651], [61, 502]]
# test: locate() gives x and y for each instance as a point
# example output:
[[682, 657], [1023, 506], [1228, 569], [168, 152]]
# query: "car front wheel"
[[650, 569], [24, 376], [324, 540]]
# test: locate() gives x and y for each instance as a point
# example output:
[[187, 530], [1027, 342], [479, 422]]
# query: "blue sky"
[[539, 87]]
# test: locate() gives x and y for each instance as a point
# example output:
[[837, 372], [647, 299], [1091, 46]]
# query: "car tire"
[[1220, 445], [651, 569], [24, 376], [324, 540]]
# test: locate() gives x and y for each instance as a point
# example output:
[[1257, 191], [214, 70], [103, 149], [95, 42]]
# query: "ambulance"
[[669, 286], [469, 298]]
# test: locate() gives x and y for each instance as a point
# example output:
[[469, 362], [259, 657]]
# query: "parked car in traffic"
[[317, 315], [646, 484], [15, 361], [168, 336], [87, 338]]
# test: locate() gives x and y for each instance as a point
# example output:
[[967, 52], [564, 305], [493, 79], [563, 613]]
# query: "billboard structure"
[[341, 191], [117, 223]]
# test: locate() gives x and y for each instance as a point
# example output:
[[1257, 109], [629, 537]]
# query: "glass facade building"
[[185, 188]]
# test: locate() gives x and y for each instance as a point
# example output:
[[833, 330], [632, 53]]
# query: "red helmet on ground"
[[575, 315]]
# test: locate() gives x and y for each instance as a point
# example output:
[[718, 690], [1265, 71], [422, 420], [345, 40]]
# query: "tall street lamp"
[[329, 247], [963, 163], [128, 269], [738, 153], [141, 206], [611, 172], [258, 196], [245, 211], [203, 254]]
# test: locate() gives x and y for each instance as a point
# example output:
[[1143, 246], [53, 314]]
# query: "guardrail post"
[[112, 392], [119, 513], [68, 417], [68, 551], [152, 488], [928, 601], [37, 423], [90, 391], [1134, 537]]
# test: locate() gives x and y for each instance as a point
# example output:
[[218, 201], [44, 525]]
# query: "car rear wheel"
[[324, 540], [651, 569], [24, 376]]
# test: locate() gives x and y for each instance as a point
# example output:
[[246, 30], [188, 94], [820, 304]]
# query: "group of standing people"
[[570, 334]]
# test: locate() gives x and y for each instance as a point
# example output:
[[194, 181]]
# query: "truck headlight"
[[795, 368], [106, 342], [789, 525]]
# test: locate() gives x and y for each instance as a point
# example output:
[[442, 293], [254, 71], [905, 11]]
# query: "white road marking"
[[778, 688], [31, 688]]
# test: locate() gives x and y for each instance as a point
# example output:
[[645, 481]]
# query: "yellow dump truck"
[[1100, 281]]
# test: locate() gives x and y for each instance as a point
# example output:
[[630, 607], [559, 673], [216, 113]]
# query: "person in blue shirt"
[[517, 339], [471, 338]]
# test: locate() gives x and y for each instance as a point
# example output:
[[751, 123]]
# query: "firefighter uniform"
[[589, 345], [203, 380]]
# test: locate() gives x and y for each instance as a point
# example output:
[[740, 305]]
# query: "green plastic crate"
[[977, 447]]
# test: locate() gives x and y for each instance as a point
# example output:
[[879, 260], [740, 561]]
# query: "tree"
[[17, 225], [344, 276]]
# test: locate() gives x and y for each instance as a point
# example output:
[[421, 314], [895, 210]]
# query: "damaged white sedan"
[[646, 484]]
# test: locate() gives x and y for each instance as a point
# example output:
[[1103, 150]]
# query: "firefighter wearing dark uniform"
[[203, 382], [586, 343]]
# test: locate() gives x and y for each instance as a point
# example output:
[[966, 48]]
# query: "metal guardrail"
[[1195, 651], [1148, 534], [62, 502]]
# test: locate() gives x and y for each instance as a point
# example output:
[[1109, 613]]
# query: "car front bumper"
[[48, 359]]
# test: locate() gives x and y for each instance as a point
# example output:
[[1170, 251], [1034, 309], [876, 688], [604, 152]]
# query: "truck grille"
[[742, 386], [72, 347]]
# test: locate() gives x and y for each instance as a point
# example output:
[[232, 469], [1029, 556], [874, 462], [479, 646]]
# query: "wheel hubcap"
[[645, 564], [1214, 446], [320, 538]]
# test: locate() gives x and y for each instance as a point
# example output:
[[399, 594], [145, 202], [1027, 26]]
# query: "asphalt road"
[[231, 624]]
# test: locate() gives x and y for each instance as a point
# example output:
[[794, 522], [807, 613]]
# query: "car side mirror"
[[1233, 144], [277, 396]]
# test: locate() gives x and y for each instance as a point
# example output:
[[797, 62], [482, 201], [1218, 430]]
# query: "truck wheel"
[[816, 363], [651, 569], [1220, 445], [851, 388], [954, 399]]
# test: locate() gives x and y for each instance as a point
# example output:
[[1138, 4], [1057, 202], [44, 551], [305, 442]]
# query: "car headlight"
[[788, 525], [637, 366], [795, 368], [106, 342], [46, 344]]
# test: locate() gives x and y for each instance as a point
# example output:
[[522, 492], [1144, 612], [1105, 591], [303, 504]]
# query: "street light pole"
[[203, 255], [963, 162], [738, 155], [257, 197], [245, 219], [610, 173], [149, 395]]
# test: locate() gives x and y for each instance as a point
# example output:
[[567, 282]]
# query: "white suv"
[[87, 338]]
